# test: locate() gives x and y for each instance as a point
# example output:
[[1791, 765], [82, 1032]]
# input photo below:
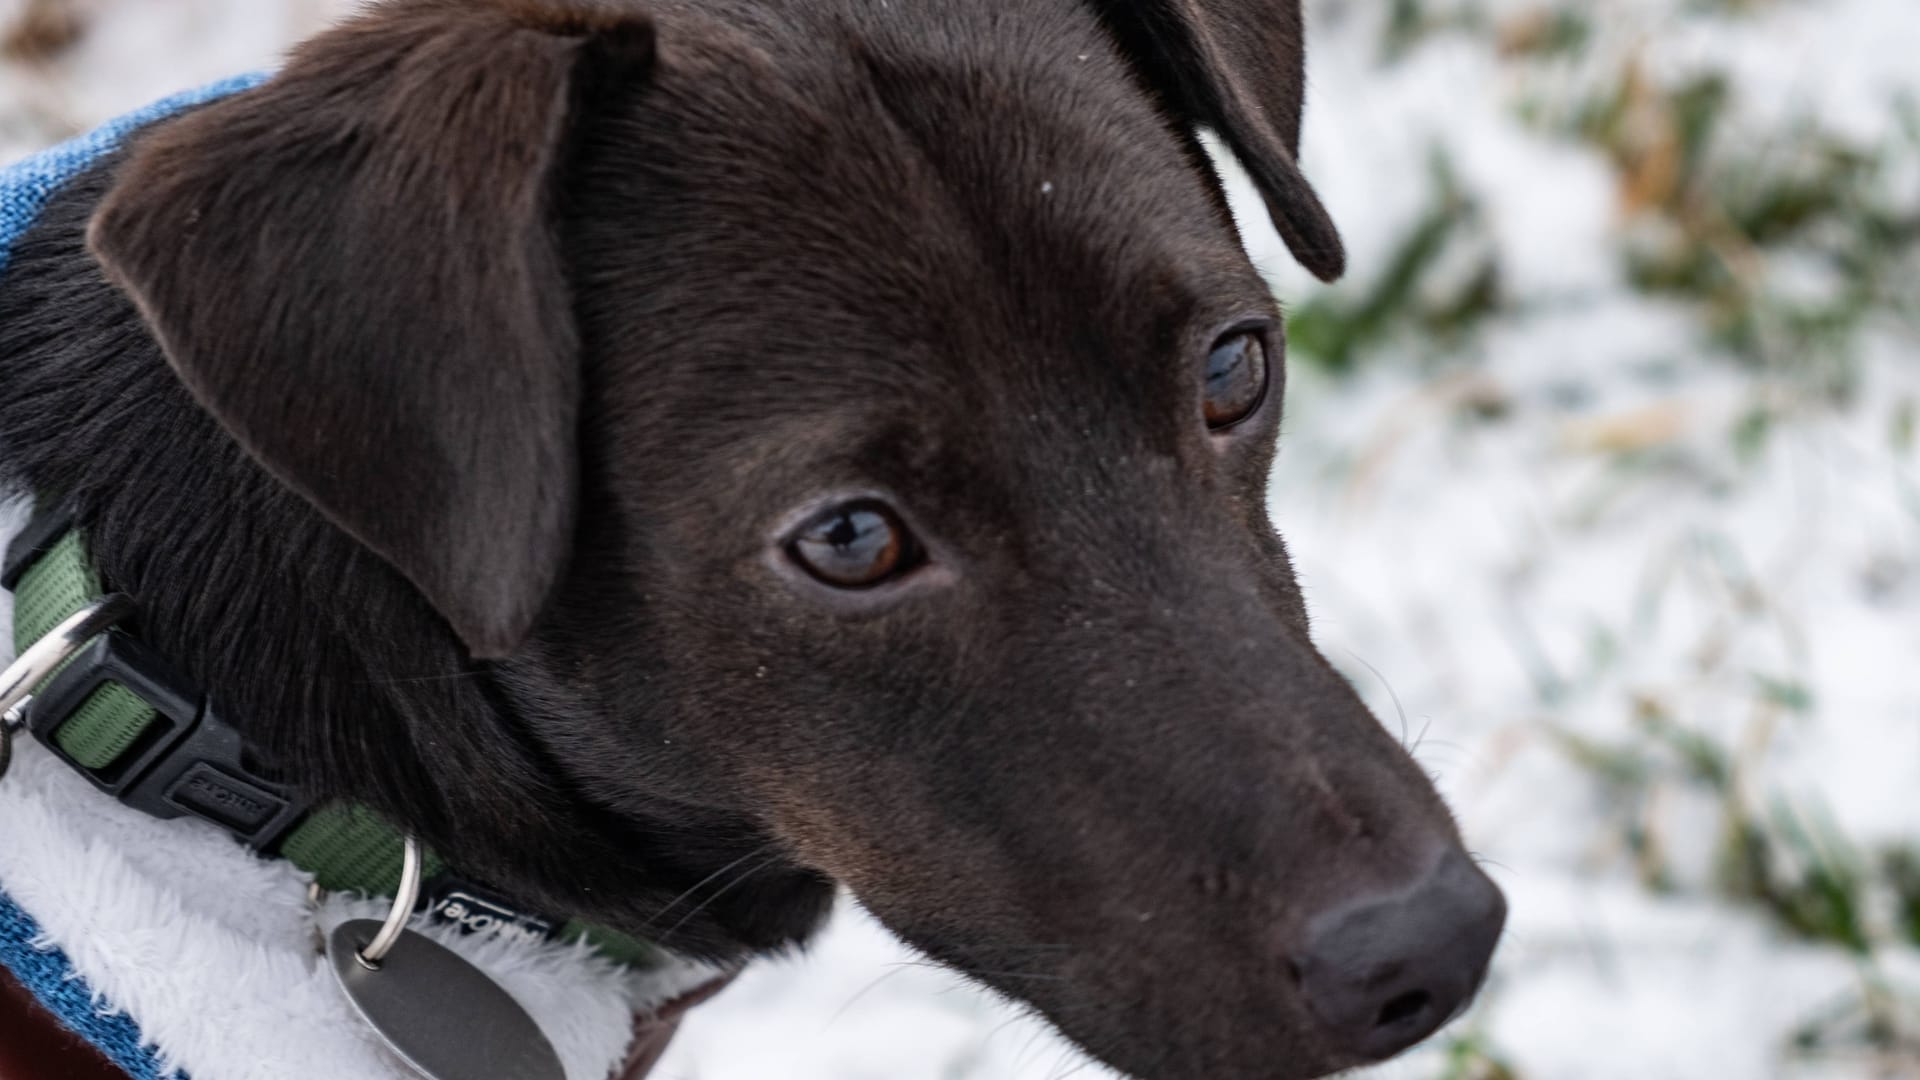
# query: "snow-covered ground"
[[1646, 598]]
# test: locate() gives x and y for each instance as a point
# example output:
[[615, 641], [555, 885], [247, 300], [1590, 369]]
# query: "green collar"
[[121, 717]]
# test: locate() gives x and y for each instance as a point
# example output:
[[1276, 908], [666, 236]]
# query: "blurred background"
[[1601, 473]]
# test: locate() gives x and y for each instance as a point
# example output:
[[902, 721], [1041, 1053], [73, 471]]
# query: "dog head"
[[847, 423]]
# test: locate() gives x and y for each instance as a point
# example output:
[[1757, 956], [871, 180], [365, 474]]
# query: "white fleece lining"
[[214, 952]]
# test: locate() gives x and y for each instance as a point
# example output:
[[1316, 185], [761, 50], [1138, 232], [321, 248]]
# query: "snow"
[[1601, 544]]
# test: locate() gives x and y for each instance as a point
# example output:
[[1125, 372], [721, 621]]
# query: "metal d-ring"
[[403, 900], [44, 657]]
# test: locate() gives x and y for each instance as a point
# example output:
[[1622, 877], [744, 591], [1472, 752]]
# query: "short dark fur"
[[520, 331]]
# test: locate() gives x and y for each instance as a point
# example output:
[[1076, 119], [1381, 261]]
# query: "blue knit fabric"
[[48, 976], [25, 188]]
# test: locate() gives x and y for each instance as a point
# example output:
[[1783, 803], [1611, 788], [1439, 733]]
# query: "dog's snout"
[[1384, 971]]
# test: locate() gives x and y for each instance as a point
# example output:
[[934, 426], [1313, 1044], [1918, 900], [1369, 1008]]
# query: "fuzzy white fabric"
[[215, 952]]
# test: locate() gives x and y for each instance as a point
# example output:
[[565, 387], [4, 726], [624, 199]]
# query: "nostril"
[[1403, 1007]]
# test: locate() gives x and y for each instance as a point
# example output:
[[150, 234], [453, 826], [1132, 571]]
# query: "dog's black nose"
[[1384, 971]]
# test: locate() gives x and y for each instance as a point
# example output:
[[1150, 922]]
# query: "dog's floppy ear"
[[353, 268], [1238, 67]]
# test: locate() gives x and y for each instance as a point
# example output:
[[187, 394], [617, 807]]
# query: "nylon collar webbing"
[[121, 718]]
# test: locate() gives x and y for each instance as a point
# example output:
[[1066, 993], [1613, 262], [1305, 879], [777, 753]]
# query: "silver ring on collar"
[[44, 657], [403, 900]]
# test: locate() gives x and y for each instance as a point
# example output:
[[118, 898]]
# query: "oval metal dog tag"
[[440, 1014]]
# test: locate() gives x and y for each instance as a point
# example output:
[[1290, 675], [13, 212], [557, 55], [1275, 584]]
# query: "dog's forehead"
[[958, 179]]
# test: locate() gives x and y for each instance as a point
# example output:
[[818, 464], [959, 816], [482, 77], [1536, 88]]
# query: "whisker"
[[1397, 707], [1422, 737], [718, 893], [864, 991], [1485, 861], [395, 680], [1037, 976], [703, 882], [931, 964]]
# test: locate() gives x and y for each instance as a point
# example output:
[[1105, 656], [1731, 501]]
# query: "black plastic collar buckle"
[[187, 763]]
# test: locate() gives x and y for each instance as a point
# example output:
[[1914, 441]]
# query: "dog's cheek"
[[828, 821]]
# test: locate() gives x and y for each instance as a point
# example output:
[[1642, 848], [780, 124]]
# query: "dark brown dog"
[[676, 456]]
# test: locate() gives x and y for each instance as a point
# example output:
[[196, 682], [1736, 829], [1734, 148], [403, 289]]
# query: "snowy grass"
[[1602, 472]]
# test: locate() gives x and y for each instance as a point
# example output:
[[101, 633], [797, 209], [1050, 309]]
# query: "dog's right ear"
[[1237, 67], [353, 267]]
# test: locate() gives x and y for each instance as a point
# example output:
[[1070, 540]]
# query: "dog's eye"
[[853, 545], [1236, 379]]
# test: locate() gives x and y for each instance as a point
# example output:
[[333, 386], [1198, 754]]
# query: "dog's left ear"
[[1237, 67], [354, 268]]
